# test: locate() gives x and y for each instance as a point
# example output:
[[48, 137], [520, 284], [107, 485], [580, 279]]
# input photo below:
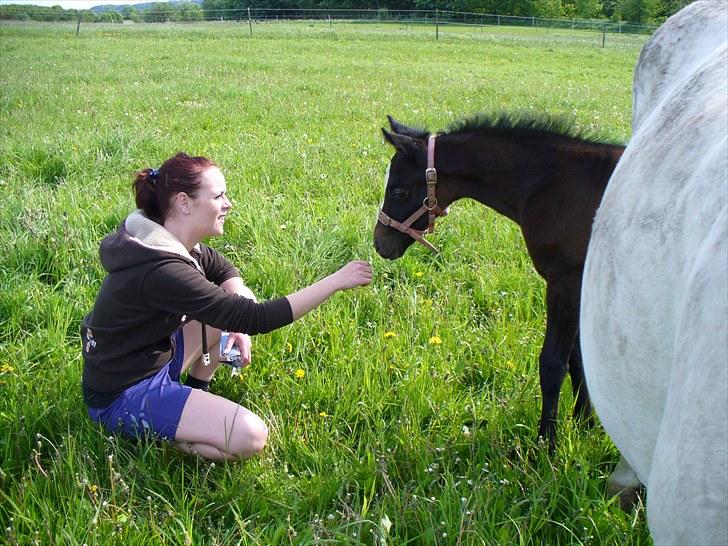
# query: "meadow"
[[401, 413]]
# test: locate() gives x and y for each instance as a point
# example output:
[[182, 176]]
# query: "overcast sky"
[[73, 4]]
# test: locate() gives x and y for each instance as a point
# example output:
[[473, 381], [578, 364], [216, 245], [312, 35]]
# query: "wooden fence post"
[[437, 24]]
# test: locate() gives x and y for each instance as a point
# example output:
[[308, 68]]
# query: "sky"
[[73, 4]]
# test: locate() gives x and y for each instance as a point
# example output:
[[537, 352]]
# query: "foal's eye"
[[399, 194]]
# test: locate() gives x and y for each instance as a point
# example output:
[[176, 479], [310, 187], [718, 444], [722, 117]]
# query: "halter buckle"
[[431, 175]]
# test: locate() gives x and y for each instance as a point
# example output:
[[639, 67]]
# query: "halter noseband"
[[429, 205]]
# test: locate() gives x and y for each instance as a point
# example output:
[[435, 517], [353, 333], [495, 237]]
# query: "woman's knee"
[[248, 438]]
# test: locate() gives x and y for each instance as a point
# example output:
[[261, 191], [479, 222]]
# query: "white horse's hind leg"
[[623, 482]]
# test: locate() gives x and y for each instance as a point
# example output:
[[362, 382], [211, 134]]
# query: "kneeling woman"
[[164, 294]]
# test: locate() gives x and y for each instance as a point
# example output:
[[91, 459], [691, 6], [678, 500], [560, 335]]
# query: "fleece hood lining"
[[153, 235]]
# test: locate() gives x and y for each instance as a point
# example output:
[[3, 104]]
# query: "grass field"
[[389, 437]]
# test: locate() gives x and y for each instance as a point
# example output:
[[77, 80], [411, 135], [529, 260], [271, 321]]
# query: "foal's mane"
[[554, 124]]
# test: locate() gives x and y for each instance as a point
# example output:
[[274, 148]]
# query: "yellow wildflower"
[[511, 365], [299, 373], [419, 274], [93, 489], [323, 414], [6, 368], [435, 340], [387, 335], [289, 347]]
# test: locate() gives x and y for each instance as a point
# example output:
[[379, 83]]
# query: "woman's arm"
[[236, 286], [242, 341], [175, 287], [353, 274]]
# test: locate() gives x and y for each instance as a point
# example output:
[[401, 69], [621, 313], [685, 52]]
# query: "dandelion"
[[6, 368], [289, 347], [323, 414], [299, 373], [387, 335], [419, 274], [435, 340], [93, 489]]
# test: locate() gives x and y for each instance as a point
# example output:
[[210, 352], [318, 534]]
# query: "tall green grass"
[[388, 438]]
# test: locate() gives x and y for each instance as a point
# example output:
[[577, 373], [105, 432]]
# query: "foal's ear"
[[403, 143], [402, 129]]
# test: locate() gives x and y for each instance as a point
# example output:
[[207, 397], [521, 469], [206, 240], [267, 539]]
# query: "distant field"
[[387, 439]]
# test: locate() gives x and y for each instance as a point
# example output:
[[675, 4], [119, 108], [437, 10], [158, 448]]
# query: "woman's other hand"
[[244, 345]]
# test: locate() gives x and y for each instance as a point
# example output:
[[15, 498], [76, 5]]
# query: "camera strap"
[[205, 350]]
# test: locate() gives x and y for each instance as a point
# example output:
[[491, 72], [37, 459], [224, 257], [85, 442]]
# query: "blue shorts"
[[153, 406]]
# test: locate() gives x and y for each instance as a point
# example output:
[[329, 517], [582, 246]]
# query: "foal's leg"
[[582, 408], [562, 301]]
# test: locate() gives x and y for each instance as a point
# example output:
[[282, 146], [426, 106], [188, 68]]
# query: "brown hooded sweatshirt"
[[153, 284]]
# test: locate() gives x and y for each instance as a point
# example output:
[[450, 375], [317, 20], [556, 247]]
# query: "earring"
[[187, 211]]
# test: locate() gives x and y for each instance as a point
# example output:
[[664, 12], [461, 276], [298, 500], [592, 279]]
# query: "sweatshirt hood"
[[140, 240]]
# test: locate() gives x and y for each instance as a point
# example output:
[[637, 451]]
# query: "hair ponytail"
[[145, 189]]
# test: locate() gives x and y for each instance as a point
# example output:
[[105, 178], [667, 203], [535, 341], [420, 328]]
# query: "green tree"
[[131, 13], [639, 11], [588, 9], [549, 9], [524, 8], [671, 7], [86, 15], [213, 8], [610, 8], [187, 11], [161, 12]]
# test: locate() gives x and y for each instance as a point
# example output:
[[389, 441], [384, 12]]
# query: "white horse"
[[654, 307]]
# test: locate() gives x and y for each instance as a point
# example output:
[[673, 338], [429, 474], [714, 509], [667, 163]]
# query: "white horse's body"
[[654, 309]]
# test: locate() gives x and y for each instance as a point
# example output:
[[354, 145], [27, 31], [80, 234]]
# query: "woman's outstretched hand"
[[353, 274]]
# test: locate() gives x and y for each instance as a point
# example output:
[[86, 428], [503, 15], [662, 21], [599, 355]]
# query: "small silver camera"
[[232, 357]]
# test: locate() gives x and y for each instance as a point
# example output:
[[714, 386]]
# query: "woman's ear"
[[182, 202]]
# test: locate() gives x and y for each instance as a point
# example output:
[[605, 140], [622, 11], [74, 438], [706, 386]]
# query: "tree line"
[[632, 11]]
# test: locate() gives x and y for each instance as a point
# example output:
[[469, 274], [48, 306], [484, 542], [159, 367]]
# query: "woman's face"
[[209, 207]]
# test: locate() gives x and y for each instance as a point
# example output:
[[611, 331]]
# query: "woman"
[[164, 302]]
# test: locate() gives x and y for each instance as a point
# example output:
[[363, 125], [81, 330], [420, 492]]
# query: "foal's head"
[[405, 188]]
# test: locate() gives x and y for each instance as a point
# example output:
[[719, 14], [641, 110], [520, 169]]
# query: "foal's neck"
[[503, 169]]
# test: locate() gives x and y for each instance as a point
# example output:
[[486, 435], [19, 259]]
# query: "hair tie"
[[153, 174]]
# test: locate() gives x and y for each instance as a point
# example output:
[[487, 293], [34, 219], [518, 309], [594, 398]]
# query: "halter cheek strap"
[[429, 205]]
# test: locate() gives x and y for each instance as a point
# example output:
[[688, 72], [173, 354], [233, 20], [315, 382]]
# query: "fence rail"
[[434, 21], [442, 17], [382, 15]]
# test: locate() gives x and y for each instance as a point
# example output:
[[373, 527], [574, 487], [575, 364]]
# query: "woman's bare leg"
[[216, 428], [212, 426]]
